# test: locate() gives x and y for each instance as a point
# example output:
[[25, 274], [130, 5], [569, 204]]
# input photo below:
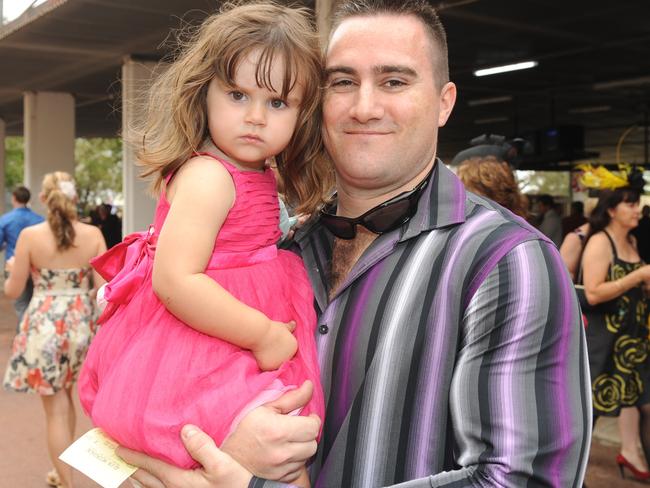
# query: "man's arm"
[[520, 397], [3, 236]]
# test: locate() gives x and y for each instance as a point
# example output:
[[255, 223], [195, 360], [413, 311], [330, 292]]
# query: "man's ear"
[[447, 101]]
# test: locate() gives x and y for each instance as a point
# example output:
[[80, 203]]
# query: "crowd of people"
[[417, 330]]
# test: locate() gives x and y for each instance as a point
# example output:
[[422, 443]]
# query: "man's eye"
[[236, 95], [277, 103], [395, 83], [343, 83]]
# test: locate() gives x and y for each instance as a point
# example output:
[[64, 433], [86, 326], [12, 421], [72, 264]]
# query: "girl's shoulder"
[[198, 175]]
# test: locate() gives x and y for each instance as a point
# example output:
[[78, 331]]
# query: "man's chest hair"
[[345, 254]]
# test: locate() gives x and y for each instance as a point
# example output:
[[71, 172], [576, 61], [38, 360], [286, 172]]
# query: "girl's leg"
[[57, 418]]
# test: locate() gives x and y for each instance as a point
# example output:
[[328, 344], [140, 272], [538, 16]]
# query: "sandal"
[[52, 478]]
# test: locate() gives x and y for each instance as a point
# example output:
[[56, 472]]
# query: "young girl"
[[201, 308]]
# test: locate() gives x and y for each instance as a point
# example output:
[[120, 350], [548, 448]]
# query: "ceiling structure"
[[593, 68]]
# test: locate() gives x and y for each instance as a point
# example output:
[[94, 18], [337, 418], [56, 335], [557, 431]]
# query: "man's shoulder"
[[8, 217], [482, 213], [33, 216]]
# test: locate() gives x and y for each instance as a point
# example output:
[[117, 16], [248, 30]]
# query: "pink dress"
[[147, 373]]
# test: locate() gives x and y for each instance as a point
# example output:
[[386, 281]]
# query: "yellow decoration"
[[601, 178]]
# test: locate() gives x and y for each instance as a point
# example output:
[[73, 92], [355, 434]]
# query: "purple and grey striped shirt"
[[452, 356]]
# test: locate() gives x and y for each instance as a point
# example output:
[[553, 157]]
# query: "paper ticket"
[[94, 455]]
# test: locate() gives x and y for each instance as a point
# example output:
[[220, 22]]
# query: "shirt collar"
[[442, 204]]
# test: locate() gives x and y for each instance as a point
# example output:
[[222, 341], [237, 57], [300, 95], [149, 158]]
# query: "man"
[[450, 341], [11, 224], [551, 224], [575, 219], [110, 225]]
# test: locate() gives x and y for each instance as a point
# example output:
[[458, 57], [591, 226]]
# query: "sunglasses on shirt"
[[383, 218]]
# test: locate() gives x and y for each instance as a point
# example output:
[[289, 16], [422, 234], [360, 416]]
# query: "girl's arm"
[[595, 262], [18, 267], [201, 194], [570, 251]]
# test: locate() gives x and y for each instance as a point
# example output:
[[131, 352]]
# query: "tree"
[[555, 183], [14, 162], [98, 171]]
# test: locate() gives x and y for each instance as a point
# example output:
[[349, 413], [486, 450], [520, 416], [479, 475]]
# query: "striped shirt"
[[452, 355]]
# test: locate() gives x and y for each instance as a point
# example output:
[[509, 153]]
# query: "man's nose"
[[366, 105], [256, 114]]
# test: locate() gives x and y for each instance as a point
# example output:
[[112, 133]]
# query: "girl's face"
[[626, 214], [248, 123]]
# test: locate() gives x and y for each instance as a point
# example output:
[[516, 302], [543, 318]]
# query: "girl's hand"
[[277, 346]]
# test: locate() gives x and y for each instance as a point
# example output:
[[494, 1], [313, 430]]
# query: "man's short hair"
[[578, 207], [547, 200], [417, 8], [22, 194]]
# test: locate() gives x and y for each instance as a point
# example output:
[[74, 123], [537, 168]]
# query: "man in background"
[[11, 224], [575, 219], [551, 225]]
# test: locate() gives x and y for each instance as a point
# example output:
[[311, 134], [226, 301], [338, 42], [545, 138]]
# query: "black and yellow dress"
[[618, 344]]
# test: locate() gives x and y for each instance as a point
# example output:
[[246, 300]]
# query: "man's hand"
[[272, 444], [219, 469]]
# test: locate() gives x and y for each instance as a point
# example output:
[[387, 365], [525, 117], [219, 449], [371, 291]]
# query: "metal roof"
[[594, 64]]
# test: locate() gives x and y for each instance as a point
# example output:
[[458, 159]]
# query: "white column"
[[3, 134], [139, 207], [49, 138], [324, 9]]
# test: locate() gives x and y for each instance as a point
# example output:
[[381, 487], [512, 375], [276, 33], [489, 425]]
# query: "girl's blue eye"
[[277, 103]]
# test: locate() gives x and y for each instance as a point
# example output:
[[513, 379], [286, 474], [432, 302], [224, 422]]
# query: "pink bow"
[[125, 267]]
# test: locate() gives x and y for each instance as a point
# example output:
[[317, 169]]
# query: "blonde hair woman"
[[57, 327]]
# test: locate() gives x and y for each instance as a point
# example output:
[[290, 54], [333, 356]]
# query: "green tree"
[[14, 162], [98, 171], [556, 183]]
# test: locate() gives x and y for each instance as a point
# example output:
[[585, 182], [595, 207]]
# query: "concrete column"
[[139, 207], [49, 138], [3, 134]]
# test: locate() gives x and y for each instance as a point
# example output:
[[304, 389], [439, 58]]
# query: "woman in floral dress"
[[57, 327]]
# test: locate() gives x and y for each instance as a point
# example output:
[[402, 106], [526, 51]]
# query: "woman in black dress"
[[614, 279]]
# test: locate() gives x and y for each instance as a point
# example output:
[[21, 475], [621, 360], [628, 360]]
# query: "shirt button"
[[323, 329]]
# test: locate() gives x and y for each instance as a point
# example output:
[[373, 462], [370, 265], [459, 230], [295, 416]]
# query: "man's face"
[[382, 107]]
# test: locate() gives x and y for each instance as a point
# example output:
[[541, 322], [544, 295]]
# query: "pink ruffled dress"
[[147, 373]]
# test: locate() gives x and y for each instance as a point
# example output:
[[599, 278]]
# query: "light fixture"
[[489, 100], [590, 110], [505, 68], [605, 85], [490, 120]]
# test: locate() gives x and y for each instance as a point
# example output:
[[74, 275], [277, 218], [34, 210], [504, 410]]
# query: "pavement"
[[23, 450]]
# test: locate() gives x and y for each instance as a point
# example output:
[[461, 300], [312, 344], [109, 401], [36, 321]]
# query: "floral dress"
[[618, 345], [54, 334]]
